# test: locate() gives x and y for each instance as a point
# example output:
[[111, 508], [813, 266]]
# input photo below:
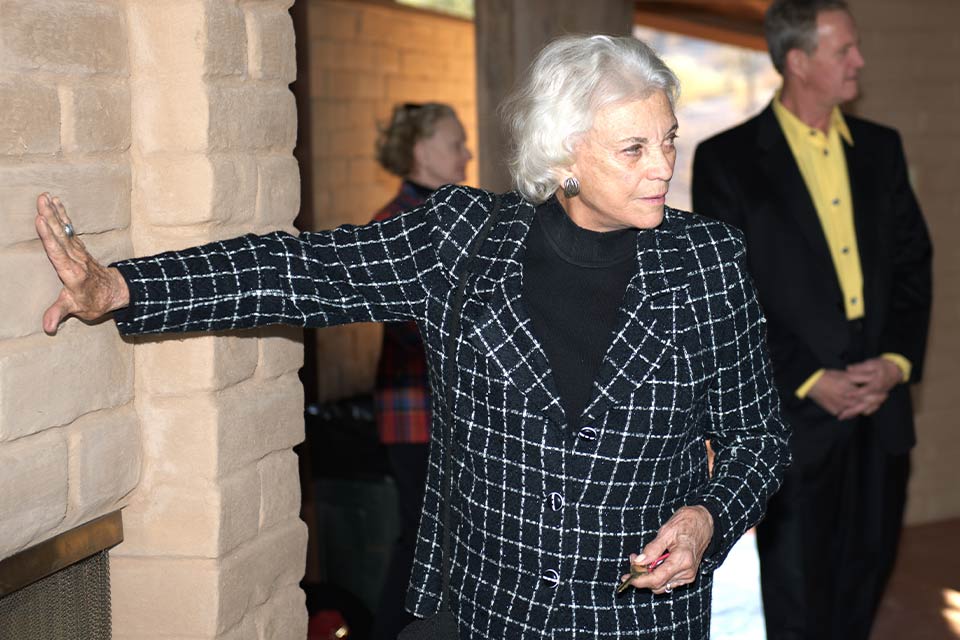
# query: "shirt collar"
[[788, 120]]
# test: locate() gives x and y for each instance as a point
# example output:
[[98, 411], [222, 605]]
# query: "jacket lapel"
[[782, 176], [648, 318], [503, 331]]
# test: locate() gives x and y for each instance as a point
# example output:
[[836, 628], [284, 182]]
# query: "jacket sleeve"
[[749, 438], [715, 195], [908, 317], [373, 273]]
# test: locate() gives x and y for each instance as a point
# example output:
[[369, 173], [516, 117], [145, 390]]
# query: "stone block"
[[148, 240], [34, 284], [33, 474], [174, 190], [93, 370], [331, 114], [278, 190], [352, 143], [177, 366], [281, 351], [335, 21], [31, 114], [252, 574], [279, 488], [211, 435], [258, 417], [186, 40], [252, 117], [97, 196], [169, 114], [284, 615], [166, 38], [246, 629], [187, 516], [271, 51], [73, 37], [164, 597], [339, 55], [95, 117], [225, 33], [348, 85], [330, 172], [100, 441], [404, 89]]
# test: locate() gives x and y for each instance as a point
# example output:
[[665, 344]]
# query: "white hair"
[[571, 79]]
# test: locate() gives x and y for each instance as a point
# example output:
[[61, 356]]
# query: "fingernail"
[[640, 558]]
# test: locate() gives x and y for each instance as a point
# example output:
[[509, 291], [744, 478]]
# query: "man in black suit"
[[841, 259]]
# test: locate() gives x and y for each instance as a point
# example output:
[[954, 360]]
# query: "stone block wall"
[[161, 125], [910, 82], [66, 404], [365, 57]]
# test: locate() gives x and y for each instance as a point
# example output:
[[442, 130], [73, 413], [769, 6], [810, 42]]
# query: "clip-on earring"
[[571, 187]]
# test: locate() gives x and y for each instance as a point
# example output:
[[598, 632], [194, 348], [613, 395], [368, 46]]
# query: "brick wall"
[[911, 82], [160, 125], [363, 59]]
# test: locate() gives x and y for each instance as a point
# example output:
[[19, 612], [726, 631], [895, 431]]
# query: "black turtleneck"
[[573, 284]]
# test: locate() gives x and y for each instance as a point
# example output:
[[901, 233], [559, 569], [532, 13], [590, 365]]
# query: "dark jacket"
[[748, 177], [543, 516]]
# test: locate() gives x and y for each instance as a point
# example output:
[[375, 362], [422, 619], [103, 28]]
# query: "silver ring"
[[68, 230], [667, 589]]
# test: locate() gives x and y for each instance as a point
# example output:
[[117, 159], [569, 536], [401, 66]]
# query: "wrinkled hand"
[[874, 379], [90, 290], [686, 535]]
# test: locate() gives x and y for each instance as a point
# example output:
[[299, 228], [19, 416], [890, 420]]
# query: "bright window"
[[720, 85], [459, 8]]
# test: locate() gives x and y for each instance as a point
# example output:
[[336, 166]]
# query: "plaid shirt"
[[542, 516], [402, 393]]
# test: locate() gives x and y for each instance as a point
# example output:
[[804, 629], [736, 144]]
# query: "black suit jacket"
[[747, 176]]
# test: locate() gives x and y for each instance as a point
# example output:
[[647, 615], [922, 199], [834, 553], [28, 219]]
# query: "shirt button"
[[552, 577], [836, 201], [556, 501], [845, 250], [588, 433], [826, 152], [853, 300]]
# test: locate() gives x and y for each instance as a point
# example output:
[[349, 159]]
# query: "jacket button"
[[556, 501], [588, 433], [552, 577]]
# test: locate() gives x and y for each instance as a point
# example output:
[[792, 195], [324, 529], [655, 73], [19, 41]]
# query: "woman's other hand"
[[686, 535], [90, 290]]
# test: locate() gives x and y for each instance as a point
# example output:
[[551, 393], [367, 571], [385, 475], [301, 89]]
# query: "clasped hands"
[[858, 390]]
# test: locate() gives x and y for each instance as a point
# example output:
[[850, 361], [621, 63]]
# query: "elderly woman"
[[583, 356]]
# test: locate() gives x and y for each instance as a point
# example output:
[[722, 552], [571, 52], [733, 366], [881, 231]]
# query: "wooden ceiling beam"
[[736, 22]]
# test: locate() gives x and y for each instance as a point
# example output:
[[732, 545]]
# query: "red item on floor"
[[327, 624]]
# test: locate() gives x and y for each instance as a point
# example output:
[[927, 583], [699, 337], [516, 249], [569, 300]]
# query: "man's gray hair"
[[792, 24], [571, 79]]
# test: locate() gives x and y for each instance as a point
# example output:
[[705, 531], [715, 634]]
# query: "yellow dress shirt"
[[823, 165]]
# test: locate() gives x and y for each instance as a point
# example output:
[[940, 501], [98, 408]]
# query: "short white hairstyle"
[[571, 79]]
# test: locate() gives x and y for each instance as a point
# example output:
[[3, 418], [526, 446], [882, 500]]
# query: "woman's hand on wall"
[[90, 290]]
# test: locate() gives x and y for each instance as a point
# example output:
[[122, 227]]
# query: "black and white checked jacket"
[[543, 517]]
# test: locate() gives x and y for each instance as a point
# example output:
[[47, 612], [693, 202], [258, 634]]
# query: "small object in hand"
[[68, 230], [641, 570]]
